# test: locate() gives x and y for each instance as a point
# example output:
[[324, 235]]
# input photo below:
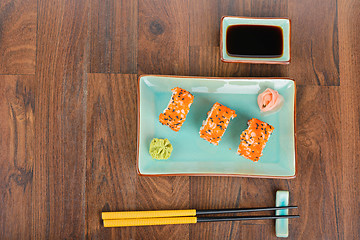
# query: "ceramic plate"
[[194, 156]]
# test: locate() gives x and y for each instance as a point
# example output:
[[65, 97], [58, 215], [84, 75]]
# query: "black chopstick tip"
[[244, 218]]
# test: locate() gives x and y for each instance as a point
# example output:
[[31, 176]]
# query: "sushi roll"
[[175, 114], [253, 140], [214, 126]]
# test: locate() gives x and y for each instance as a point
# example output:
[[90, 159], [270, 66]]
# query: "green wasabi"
[[160, 149]]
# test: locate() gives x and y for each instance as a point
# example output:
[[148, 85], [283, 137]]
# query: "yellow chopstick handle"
[[148, 214], [148, 221]]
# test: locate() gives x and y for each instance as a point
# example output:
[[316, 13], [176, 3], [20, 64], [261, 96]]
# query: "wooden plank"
[[268, 70], [60, 119], [111, 151], [314, 41], [214, 193], [17, 36], [256, 232], [349, 25], [163, 49], [205, 18], [163, 37], [316, 188], [161, 193], [17, 127], [269, 8], [113, 36], [205, 61], [350, 188]]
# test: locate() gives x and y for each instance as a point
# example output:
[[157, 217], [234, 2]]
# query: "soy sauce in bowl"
[[257, 41]]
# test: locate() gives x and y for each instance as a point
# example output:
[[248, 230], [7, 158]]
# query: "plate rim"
[[210, 174]]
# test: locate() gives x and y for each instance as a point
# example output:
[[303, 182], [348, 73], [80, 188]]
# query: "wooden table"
[[68, 93]]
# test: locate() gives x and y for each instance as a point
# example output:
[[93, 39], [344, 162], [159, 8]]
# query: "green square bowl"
[[193, 156], [283, 23]]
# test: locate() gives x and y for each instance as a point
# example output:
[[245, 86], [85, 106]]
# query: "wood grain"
[[269, 8], [68, 139], [162, 193], [205, 18], [113, 36], [315, 189], [205, 61], [17, 119], [350, 153], [60, 119], [254, 232], [17, 36], [163, 45], [349, 25], [314, 41], [110, 151], [214, 193]]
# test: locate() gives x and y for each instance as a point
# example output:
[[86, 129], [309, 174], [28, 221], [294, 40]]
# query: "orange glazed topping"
[[175, 114], [253, 140], [216, 123]]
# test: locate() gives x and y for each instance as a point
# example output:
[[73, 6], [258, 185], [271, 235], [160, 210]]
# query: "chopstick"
[[242, 210], [183, 220], [182, 213]]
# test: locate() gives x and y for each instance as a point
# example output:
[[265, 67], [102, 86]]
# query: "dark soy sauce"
[[254, 41]]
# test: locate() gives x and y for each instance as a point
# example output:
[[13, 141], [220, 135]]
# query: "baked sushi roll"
[[175, 114], [214, 126], [253, 140]]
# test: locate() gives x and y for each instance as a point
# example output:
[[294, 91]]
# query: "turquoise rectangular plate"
[[194, 156]]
